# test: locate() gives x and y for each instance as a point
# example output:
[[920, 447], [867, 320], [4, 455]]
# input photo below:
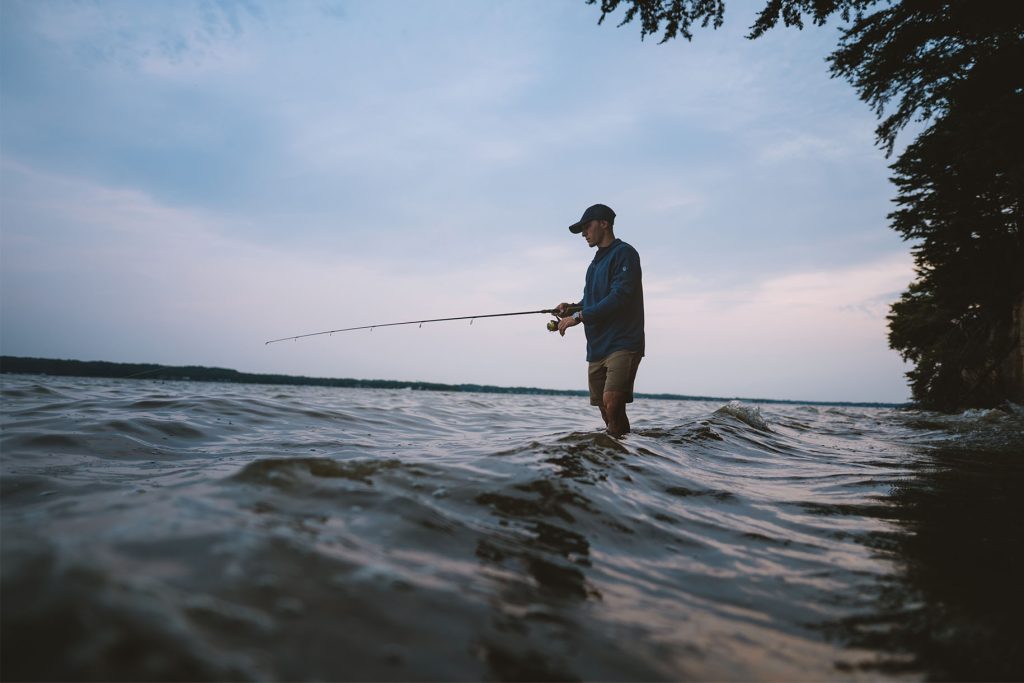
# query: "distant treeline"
[[199, 373]]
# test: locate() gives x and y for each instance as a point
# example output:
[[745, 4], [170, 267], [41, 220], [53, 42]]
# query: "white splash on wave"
[[749, 415]]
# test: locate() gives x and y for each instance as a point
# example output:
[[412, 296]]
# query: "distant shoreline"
[[199, 373]]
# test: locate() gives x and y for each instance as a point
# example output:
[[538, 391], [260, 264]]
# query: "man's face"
[[594, 232]]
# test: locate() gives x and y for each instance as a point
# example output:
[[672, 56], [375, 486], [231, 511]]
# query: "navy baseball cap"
[[597, 212]]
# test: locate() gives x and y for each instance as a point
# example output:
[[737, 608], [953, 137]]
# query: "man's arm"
[[570, 315], [563, 309], [569, 321], [625, 283]]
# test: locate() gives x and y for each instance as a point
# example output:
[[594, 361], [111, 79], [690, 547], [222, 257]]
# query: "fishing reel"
[[553, 324]]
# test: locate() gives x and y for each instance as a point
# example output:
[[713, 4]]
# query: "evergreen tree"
[[958, 66]]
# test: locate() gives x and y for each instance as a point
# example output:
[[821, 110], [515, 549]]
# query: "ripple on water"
[[186, 531]]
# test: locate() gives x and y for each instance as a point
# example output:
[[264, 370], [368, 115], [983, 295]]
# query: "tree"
[[957, 66]]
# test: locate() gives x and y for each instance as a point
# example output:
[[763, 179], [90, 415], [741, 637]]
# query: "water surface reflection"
[[953, 608]]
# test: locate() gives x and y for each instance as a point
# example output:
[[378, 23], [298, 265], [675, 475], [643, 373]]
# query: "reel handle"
[[569, 310]]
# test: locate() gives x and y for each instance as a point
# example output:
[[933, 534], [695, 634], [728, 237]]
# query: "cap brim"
[[576, 228]]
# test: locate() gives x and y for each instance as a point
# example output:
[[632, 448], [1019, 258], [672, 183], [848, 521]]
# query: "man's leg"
[[614, 412], [611, 388], [618, 390]]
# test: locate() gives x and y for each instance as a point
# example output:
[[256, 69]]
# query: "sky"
[[182, 181]]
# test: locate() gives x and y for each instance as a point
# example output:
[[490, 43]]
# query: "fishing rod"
[[552, 325]]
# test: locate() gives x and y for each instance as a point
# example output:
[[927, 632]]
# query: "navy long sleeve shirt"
[[613, 302]]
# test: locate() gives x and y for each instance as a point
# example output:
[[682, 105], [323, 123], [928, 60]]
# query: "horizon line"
[[32, 365]]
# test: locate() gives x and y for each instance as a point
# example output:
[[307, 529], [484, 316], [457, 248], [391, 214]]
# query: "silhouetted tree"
[[958, 66]]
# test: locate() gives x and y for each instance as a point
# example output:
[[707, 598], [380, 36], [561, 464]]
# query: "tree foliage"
[[958, 67], [960, 193]]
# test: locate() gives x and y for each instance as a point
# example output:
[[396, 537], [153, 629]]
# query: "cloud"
[[119, 275], [839, 305], [159, 39], [803, 334], [182, 179], [116, 274]]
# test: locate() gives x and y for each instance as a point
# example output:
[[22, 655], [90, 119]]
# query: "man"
[[612, 314]]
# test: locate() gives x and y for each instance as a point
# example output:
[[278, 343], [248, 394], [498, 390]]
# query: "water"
[[197, 531]]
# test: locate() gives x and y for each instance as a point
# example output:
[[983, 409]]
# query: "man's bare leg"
[[614, 413]]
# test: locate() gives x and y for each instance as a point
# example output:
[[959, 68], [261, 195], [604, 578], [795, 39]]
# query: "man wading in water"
[[612, 314]]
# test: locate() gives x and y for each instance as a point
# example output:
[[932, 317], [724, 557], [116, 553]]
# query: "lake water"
[[176, 530]]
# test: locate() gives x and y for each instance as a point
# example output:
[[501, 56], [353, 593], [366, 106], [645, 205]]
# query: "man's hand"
[[560, 309], [566, 323]]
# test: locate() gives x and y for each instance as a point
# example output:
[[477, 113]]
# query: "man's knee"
[[614, 402]]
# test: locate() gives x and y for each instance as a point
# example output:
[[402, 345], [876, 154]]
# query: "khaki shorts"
[[614, 372]]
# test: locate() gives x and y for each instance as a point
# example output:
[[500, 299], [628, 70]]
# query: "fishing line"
[[470, 318]]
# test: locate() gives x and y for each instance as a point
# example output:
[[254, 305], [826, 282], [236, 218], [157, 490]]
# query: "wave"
[[255, 533]]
